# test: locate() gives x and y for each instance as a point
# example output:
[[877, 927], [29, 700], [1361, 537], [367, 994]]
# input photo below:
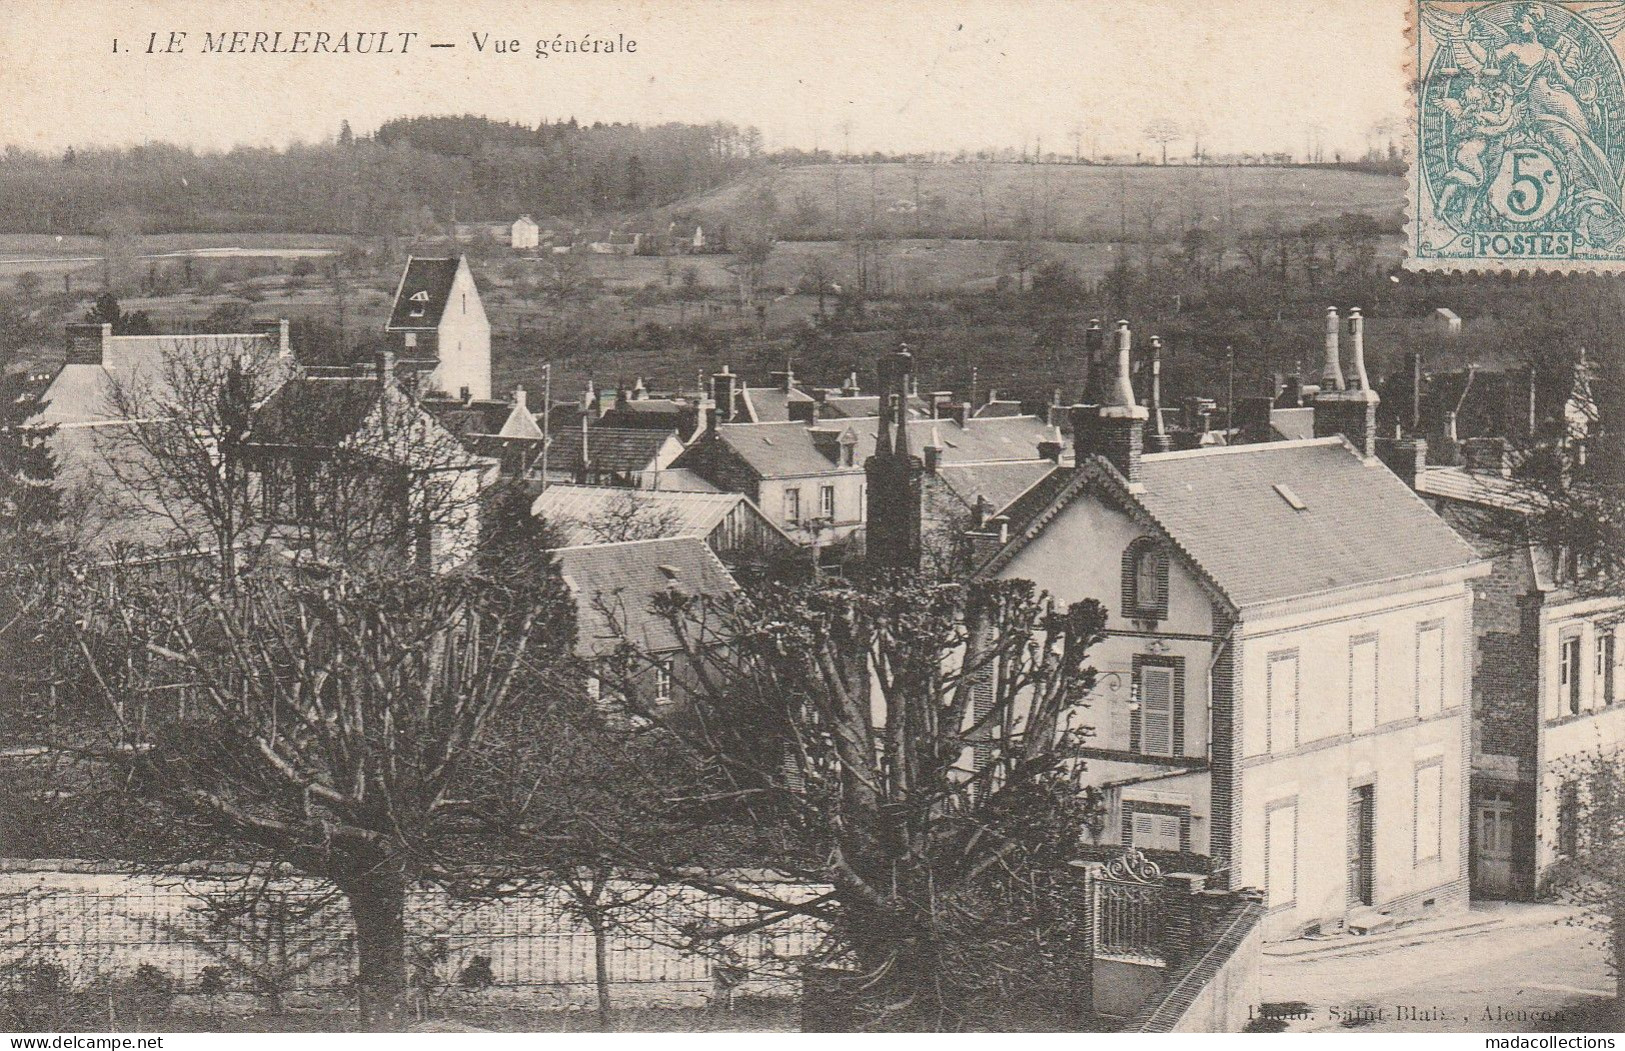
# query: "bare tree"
[[910, 745], [180, 458], [628, 517], [365, 725], [1162, 131]]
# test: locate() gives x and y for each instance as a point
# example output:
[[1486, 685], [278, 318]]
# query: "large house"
[[616, 589], [349, 461], [1283, 687], [1547, 684], [107, 407], [441, 327]]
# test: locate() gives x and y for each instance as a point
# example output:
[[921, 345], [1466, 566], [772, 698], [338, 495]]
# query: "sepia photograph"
[[792, 516]]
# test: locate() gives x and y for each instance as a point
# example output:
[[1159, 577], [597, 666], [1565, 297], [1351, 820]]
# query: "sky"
[[892, 75]]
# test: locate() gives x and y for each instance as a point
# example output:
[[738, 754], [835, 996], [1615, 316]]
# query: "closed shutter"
[[1363, 685], [1282, 689], [1157, 710], [1430, 670], [1281, 854], [1155, 831]]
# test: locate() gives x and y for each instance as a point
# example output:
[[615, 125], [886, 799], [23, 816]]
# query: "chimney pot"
[[1357, 342], [1331, 373]]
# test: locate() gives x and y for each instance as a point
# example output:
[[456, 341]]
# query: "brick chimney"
[[893, 475], [1406, 457], [722, 394], [785, 381], [1050, 448], [1352, 411], [1487, 456], [1116, 429]]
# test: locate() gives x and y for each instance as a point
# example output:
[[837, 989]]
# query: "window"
[[1430, 669], [1605, 668], [1568, 820], [1495, 828], [1363, 684], [1281, 854], [1155, 831], [1281, 700], [826, 502], [663, 681], [1429, 805], [1145, 580], [1155, 687], [792, 506], [1569, 672]]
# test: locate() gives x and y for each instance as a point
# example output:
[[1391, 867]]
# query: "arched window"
[[1145, 580]]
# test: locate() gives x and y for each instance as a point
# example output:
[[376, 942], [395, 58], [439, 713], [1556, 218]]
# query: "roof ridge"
[[1219, 450], [627, 543]]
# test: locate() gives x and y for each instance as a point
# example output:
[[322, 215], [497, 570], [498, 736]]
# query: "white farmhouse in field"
[[525, 233]]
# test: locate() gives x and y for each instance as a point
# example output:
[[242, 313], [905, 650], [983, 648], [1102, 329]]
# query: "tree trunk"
[[378, 907], [600, 963]]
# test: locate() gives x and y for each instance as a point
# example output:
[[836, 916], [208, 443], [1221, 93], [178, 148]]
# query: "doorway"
[[1362, 835]]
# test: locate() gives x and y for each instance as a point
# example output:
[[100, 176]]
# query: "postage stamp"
[[1519, 149]]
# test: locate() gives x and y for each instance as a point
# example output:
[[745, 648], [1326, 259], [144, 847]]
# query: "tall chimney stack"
[[1357, 340], [1159, 440], [722, 394], [1341, 410], [1115, 431], [1331, 373]]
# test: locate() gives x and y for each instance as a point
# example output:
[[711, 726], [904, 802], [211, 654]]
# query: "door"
[[1361, 836], [1492, 846]]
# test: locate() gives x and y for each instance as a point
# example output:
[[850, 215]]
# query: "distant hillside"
[[1060, 202]]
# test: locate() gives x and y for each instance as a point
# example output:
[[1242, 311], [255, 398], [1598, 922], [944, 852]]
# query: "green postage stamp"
[[1519, 159]]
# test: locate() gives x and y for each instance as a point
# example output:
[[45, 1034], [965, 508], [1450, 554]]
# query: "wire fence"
[[297, 937]]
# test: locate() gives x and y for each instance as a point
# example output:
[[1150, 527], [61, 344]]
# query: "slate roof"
[[570, 509], [616, 585], [623, 450], [1475, 487], [421, 297], [998, 483], [81, 393], [314, 411], [771, 404], [788, 450], [1224, 510]]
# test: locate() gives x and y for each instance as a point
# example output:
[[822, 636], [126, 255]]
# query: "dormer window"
[[1145, 580]]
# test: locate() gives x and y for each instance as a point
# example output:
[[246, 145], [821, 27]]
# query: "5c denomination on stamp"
[[1519, 159]]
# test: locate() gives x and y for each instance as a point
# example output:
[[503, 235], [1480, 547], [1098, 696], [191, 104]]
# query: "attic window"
[[1292, 499], [421, 296]]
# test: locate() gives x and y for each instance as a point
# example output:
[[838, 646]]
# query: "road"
[[1532, 978]]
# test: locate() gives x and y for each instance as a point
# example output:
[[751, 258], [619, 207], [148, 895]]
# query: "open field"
[[1063, 201], [47, 254]]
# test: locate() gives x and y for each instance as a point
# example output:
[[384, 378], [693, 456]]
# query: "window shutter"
[[1157, 710]]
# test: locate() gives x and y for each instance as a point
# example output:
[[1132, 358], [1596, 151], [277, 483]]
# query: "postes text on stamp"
[[1519, 158]]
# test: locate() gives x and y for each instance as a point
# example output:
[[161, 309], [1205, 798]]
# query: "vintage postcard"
[[800, 516]]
